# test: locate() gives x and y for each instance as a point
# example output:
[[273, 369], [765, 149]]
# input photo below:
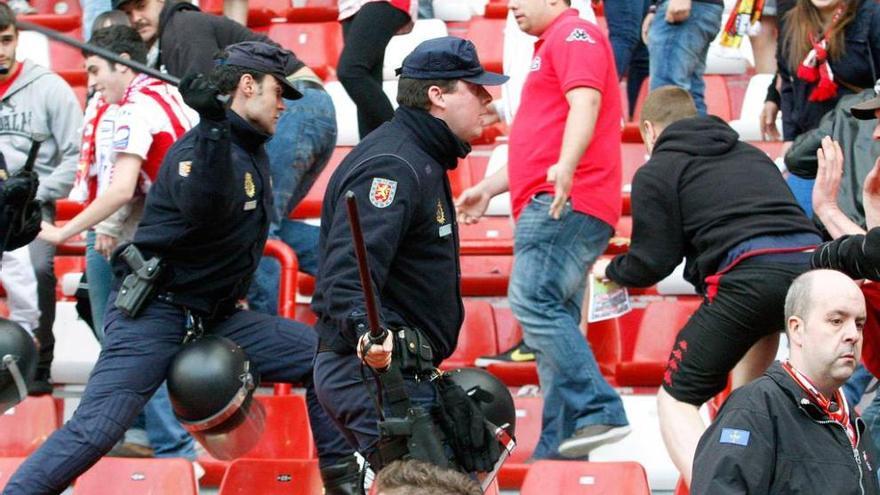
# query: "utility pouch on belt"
[[412, 350], [139, 286]]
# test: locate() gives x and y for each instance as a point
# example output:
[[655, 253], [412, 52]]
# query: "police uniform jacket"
[[207, 215], [769, 438], [398, 174]]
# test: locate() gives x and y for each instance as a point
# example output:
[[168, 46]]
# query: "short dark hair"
[[405, 477], [414, 92], [120, 39], [226, 76], [113, 17], [7, 17], [667, 104]]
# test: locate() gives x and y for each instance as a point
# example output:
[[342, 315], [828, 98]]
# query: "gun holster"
[[412, 351], [409, 431], [139, 286]]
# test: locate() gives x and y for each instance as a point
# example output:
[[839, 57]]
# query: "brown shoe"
[[130, 450]]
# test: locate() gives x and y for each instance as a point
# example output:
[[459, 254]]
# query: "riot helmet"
[[211, 383], [490, 393], [18, 363]]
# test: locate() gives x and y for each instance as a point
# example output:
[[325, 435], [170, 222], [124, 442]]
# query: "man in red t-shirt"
[[564, 178]]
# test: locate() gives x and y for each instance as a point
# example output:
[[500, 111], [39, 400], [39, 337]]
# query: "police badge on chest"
[[445, 228]]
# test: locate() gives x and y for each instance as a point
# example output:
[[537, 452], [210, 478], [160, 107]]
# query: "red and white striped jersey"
[[148, 120]]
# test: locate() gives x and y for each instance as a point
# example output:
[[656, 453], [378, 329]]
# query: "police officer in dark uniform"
[[206, 219], [398, 175]]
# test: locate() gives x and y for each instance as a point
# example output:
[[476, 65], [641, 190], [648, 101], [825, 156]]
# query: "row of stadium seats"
[[284, 461]]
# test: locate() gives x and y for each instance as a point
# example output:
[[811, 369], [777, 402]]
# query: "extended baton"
[[97, 50], [377, 333], [107, 54]]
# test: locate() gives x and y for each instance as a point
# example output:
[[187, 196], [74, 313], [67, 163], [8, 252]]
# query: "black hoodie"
[[702, 192], [189, 38]]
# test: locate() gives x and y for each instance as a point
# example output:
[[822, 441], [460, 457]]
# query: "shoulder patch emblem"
[[184, 168], [734, 436], [249, 188], [382, 192], [580, 34]]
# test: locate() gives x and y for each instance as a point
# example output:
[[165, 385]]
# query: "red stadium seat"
[[528, 432], [633, 156], [56, 7], [310, 206], [717, 97], [485, 275], [287, 436], [314, 11], [8, 465], [585, 478], [60, 15], [460, 177], [477, 337], [653, 329], [489, 236], [488, 36], [26, 426], [317, 44], [65, 58], [272, 477], [114, 475]]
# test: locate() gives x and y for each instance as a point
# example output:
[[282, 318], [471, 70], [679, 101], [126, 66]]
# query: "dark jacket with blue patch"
[[778, 442], [398, 174], [207, 215]]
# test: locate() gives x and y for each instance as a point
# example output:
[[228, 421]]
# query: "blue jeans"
[[303, 144], [99, 278], [551, 261], [90, 10], [163, 432], [678, 51], [630, 53]]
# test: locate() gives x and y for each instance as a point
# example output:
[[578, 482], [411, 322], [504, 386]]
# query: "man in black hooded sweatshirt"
[[723, 206]]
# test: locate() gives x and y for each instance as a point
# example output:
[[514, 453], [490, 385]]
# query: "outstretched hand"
[[471, 205], [828, 176]]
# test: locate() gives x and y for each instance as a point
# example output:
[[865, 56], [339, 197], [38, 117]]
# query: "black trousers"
[[366, 35]]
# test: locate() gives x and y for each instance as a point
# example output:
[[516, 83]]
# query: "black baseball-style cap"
[[117, 4], [448, 58], [265, 58], [865, 110]]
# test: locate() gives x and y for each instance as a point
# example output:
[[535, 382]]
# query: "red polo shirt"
[[571, 53]]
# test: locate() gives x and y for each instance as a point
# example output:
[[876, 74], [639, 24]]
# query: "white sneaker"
[[589, 437]]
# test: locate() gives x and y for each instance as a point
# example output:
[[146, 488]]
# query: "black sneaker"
[[41, 384], [521, 353]]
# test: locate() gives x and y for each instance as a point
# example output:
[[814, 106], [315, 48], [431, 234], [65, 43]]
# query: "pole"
[[377, 334], [101, 52]]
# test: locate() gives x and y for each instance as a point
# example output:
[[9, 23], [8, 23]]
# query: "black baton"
[[377, 333], [101, 52], [107, 54]]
